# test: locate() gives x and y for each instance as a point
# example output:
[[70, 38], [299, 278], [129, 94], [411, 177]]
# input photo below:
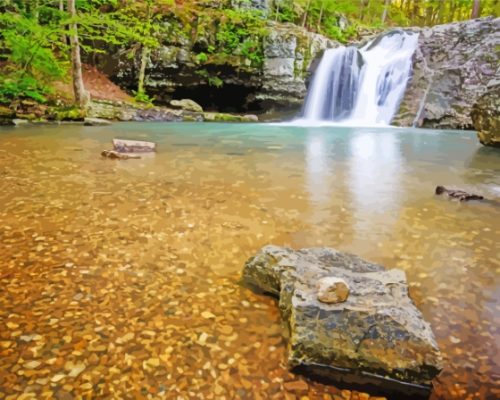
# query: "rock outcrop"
[[186, 104], [453, 65], [230, 83], [486, 116], [376, 336]]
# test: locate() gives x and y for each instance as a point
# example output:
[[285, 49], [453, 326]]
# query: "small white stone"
[[332, 290]]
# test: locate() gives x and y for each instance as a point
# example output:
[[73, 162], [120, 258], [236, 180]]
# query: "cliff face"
[[231, 83], [486, 116], [452, 67]]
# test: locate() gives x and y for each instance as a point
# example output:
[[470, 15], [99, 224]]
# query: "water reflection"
[[319, 168], [375, 169]]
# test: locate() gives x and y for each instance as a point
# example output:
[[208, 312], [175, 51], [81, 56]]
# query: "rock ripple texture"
[[452, 67], [376, 337], [486, 117]]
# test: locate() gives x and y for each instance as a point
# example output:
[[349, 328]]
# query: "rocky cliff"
[[231, 83], [452, 67], [486, 116]]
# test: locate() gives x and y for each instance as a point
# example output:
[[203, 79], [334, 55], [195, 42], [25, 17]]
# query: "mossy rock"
[[67, 114], [6, 112]]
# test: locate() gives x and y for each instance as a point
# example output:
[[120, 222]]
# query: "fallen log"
[[458, 194], [115, 155]]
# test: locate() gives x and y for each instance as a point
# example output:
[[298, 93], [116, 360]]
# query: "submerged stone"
[[375, 337], [96, 122]]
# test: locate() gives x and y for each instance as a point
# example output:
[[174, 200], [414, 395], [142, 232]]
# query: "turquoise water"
[[152, 244]]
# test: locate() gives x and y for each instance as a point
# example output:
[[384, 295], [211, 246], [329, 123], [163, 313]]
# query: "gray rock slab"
[[376, 337]]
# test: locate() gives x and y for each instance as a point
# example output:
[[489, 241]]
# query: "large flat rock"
[[377, 337]]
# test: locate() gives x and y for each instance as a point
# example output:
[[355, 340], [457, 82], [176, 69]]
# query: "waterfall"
[[362, 86]]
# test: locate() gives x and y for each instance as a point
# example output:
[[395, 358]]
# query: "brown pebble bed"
[[119, 279]]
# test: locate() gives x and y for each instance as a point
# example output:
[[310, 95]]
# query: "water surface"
[[130, 269]]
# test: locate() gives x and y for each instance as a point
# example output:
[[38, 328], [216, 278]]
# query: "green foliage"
[[34, 51], [212, 80], [240, 32], [142, 97], [201, 58], [32, 55], [18, 86]]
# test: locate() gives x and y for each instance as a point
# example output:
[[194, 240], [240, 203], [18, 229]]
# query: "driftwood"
[[133, 146], [458, 194], [117, 155]]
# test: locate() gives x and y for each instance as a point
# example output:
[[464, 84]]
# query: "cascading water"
[[362, 86]]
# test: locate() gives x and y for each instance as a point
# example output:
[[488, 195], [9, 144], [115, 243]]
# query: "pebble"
[[225, 329], [32, 364], [74, 369], [58, 377], [125, 338], [207, 315], [296, 386]]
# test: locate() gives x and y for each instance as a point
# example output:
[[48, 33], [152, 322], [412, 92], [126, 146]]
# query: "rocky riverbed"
[[131, 268]]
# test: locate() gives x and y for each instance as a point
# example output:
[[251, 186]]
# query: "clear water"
[[131, 268]]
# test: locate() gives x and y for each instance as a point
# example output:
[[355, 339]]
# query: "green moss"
[[67, 114], [6, 112], [189, 118]]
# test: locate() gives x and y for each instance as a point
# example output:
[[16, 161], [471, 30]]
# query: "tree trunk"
[[144, 56], [81, 96], [476, 6], [320, 16], [306, 13], [142, 70], [386, 10], [363, 5], [61, 9]]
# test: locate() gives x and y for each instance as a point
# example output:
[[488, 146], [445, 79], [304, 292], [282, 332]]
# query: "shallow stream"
[[120, 279]]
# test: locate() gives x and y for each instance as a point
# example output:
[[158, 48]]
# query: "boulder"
[[452, 67], [96, 122], [486, 117], [19, 121], [187, 105], [120, 111], [375, 337]]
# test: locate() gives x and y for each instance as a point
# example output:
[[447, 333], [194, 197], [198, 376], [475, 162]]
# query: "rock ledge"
[[377, 337]]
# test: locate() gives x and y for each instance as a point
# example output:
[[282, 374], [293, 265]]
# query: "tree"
[[81, 95], [138, 25], [476, 7], [30, 52], [386, 9]]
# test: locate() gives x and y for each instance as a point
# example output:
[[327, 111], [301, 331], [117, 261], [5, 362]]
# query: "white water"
[[361, 87]]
